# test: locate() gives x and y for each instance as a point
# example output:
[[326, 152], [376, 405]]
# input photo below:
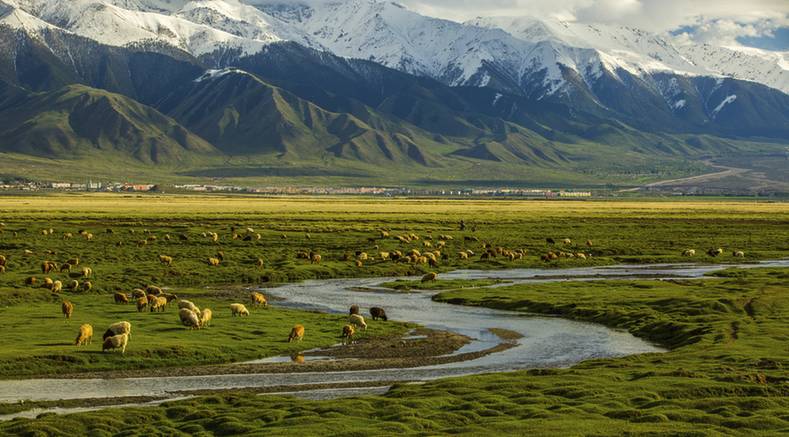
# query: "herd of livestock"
[[152, 298]]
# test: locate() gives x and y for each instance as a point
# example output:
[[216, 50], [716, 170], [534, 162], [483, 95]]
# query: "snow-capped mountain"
[[533, 55]]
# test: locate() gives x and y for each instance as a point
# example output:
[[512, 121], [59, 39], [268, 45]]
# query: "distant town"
[[121, 187]]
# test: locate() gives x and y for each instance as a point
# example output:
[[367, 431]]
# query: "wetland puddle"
[[545, 341]]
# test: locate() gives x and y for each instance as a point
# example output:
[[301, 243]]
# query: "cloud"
[[720, 22]]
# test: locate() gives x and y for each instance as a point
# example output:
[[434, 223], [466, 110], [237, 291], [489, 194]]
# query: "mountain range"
[[370, 88]]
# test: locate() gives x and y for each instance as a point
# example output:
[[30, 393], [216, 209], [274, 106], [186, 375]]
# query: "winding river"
[[546, 341]]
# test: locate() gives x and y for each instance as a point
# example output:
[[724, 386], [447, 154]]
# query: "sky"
[[754, 23]]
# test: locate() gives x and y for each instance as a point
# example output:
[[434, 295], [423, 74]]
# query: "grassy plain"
[[725, 373]]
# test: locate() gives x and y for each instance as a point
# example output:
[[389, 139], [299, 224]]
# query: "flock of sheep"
[[431, 251]]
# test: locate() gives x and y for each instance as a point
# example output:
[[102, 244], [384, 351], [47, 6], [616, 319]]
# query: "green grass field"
[[725, 372]]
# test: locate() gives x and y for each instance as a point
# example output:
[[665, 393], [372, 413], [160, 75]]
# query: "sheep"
[[48, 266], [430, 277], [57, 287], [73, 261], [3, 260], [297, 333], [166, 260], [65, 267], [358, 320], [67, 308], [169, 297], [152, 289], [156, 303], [689, 252], [115, 342], [238, 309], [258, 299], [588, 243], [138, 293], [68, 235], [362, 256], [567, 241], [86, 286], [85, 335], [189, 318], [213, 261], [48, 282], [359, 263], [185, 304], [384, 255], [463, 255], [205, 316], [117, 329], [141, 304], [378, 313], [316, 259], [738, 254], [348, 332], [73, 285], [259, 263], [87, 272], [120, 298], [715, 252], [353, 310], [89, 236]]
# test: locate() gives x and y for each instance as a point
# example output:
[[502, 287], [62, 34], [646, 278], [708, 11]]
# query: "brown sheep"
[[152, 289], [138, 293], [258, 299], [121, 298], [170, 297], [359, 263], [429, 277], [86, 286], [67, 308], [141, 304], [378, 313], [316, 259], [48, 266], [66, 267], [74, 285], [85, 335], [348, 332], [354, 310], [3, 260], [297, 333], [157, 303]]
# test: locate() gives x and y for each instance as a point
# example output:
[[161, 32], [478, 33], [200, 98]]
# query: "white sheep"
[[189, 318], [185, 304], [358, 320], [238, 309], [116, 342]]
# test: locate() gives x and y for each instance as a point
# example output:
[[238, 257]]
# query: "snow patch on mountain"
[[726, 101]]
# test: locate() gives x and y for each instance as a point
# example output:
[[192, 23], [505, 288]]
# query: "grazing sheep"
[[378, 313], [297, 333], [463, 255], [142, 303], [57, 287], [430, 277], [567, 241], [73, 285], [205, 317], [689, 252], [86, 286], [259, 263], [85, 335], [3, 260], [316, 259], [48, 266], [138, 293], [238, 309], [362, 256], [189, 318], [169, 297], [715, 252], [353, 310], [157, 303], [152, 289], [738, 254], [47, 283], [357, 320], [213, 261], [67, 308], [87, 272], [66, 267], [348, 332], [588, 243], [359, 263], [121, 298], [258, 299], [116, 342], [185, 304], [166, 260], [117, 329]]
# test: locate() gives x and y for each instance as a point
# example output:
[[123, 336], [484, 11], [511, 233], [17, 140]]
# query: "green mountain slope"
[[77, 120]]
